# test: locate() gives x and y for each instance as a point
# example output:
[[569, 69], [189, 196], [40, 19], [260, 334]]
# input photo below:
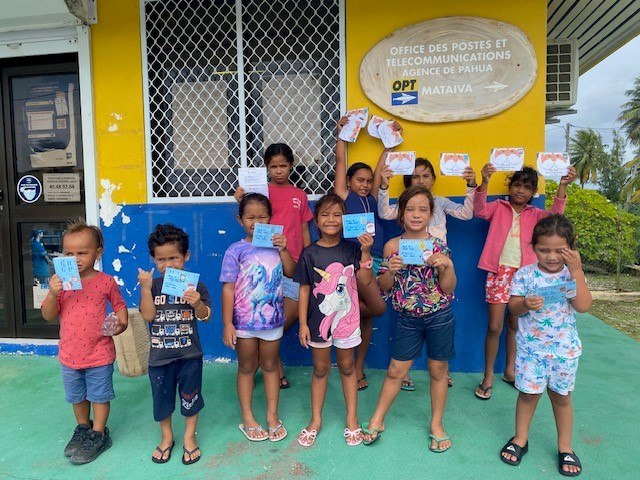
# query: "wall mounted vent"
[[562, 72]]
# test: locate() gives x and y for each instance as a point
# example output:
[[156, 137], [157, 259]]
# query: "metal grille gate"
[[227, 78]]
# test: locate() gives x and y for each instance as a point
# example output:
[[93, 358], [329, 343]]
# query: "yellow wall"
[[521, 125], [119, 114]]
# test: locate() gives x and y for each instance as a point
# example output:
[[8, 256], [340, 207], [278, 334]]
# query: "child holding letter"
[[175, 358], [547, 343], [290, 208], [506, 249], [422, 295], [86, 355], [253, 314], [330, 273], [358, 188]]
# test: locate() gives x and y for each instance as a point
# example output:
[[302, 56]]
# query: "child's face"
[[422, 176], [520, 193], [549, 252], [417, 214], [361, 182], [84, 247], [169, 255], [254, 212], [329, 220], [279, 169]]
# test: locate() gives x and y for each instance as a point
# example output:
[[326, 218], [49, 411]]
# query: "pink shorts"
[[498, 287]]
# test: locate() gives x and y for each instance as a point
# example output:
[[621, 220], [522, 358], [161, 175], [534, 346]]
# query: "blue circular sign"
[[29, 189]]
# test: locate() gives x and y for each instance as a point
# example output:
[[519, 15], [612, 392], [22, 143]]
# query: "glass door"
[[42, 183]]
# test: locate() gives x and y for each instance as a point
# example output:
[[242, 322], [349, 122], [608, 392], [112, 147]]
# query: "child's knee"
[[248, 367], [346, 367], [321, 370]]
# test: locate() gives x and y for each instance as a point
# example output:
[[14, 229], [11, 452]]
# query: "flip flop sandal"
[[510, 382], [307, 438], [162, 452], [353, 437], [449, 381], [438, 440], [364, 385], [284, 383], [515, 450], [247, 430], [569, 459], [371, 432], [189, 453], [486, 392], [408, 385], [274, 430]]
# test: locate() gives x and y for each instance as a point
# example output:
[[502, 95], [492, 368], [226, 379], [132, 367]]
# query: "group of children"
[[333, 288]]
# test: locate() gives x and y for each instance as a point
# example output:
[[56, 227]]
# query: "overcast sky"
[[600, 96]]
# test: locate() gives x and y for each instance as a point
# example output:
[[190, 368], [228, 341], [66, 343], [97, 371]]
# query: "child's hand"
[[439, 260], [342, 122], [145, 278], [395, 264], [396, 127], [534, 302], [121, 328], [572, 260], [192, 296], [238, 194], [229, 337], [55, 285], [366, 241], [304, 335], [469, 175], [279, 241], [385, 176], [570, 176], [487, 170]]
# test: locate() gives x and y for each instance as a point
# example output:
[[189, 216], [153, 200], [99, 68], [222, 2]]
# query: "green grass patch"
[[621, 314]]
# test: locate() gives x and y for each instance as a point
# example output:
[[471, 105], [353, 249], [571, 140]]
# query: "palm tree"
[[631, 189], [630, 115], [587, 155]]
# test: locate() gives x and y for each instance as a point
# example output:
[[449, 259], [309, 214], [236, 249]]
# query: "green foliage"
[[587, 155], [599, 224], [630, 115]]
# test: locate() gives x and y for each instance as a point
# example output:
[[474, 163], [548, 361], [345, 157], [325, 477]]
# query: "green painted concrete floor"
[[36, 423]]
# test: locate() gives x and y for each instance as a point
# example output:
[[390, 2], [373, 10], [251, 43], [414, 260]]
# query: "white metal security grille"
[[226, 78]]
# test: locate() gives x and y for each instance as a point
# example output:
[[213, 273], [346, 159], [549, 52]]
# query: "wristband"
[[384, 188], [206, 317], [367, 265]]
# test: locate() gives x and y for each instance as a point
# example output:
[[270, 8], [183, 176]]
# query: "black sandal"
[[365, 385], [569, 459], [515, 450], [284, 383]]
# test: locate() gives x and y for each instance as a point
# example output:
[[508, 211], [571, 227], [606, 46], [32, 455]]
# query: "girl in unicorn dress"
[[253, 314], [422, 296], [331, 272]]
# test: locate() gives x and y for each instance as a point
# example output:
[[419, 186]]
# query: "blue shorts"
[[291, 289], [436, 329], [92, 384], [186, 375]]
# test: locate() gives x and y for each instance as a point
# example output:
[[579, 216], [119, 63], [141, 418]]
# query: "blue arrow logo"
[[404, 98]]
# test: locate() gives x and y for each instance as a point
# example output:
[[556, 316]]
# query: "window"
[[221, 90]]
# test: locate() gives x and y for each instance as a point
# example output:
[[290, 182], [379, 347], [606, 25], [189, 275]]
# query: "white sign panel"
[[449, 69], [61, 187]]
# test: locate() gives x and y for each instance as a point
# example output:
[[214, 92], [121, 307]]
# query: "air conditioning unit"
[[562, 72]]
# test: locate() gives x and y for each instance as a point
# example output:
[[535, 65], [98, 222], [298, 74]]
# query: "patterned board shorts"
[[498, 287], [536, 372]]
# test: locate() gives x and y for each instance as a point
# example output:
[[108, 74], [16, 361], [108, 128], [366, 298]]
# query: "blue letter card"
[[557, 293], [176, 282], [358, 223], [415, 252], [67, 269], [263, 234]]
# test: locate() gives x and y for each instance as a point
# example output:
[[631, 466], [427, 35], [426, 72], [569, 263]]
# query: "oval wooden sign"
[[449, 69]]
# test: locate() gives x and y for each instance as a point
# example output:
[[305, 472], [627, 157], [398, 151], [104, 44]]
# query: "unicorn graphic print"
[[339, 304]]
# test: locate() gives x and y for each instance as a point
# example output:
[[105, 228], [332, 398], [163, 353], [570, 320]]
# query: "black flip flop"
[[515, 450], [162, 452], [569, 459], [284, 383], [366, 384], [190, 452]]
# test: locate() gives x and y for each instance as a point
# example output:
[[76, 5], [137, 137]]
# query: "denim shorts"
[[291, 289], [436, 329], [92, 384], [186, 375]]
